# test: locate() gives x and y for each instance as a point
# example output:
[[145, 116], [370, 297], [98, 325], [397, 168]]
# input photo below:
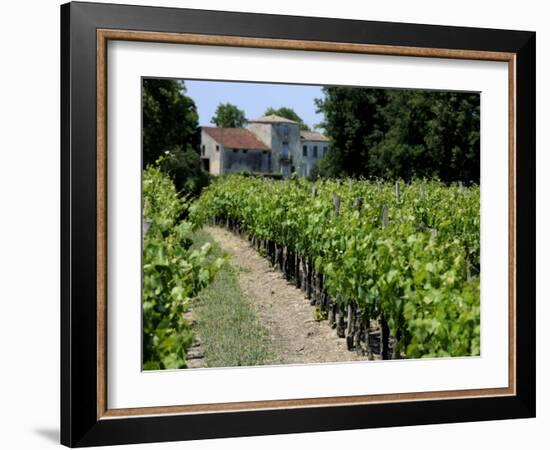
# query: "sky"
[[254, 98]]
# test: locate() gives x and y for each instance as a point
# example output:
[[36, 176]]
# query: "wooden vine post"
[[384, 329], [336, 203], [331, 313], [397, 192], [352, 328], [340, 321], [384, 337], [339, 312], [384, 216], [304, 271]]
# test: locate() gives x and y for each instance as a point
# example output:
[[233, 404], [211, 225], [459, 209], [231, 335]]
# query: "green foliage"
[[228, 116], [287, 113], [170, 119], [170, 131], [320, 314], [184, 167], [407, 134], [352, 120], [172, 274], [429, 134], [421, 271]]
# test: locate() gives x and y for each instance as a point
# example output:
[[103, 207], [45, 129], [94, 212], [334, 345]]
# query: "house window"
[[217, 148], [325, 148], [304, 150], [285, 132], [203, 150], [285, 150], [315, 151]]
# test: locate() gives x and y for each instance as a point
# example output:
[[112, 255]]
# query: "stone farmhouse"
[[269, 144]]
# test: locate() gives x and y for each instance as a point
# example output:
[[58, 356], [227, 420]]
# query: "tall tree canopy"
[[429, 134], [228, 116], [401, 134], [170, 118], [170, 131], [287, 113], [353, 121]]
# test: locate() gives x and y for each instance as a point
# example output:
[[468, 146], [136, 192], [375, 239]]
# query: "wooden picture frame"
[[85, 416]]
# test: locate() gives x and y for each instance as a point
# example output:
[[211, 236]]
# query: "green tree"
[[389, 133], [170, 119], [353, 122], [429, 134], [170, 131], [185, 168], [228, 116], [287, 113]]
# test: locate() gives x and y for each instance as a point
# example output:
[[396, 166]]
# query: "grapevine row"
[[173, 273], [404, 256]]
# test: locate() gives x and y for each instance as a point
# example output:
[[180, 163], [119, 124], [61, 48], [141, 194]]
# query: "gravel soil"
[[296, 337]]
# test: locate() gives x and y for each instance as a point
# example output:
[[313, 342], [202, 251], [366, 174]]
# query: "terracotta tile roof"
[[272, 118], [312, 136], [235, 138]]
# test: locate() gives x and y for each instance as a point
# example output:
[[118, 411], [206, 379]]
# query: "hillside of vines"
[[402, 257]]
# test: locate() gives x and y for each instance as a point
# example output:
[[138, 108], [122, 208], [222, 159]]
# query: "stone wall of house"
[[289, 134], [315, 151], [211, 151], [239, 160], [278, 136]]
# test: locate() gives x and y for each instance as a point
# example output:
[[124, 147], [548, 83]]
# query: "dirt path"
[[282, 308]]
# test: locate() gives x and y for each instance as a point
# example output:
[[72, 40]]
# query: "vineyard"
[[172, 273], [401, 258]]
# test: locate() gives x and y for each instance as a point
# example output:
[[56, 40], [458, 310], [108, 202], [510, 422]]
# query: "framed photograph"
[[276, 224]]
